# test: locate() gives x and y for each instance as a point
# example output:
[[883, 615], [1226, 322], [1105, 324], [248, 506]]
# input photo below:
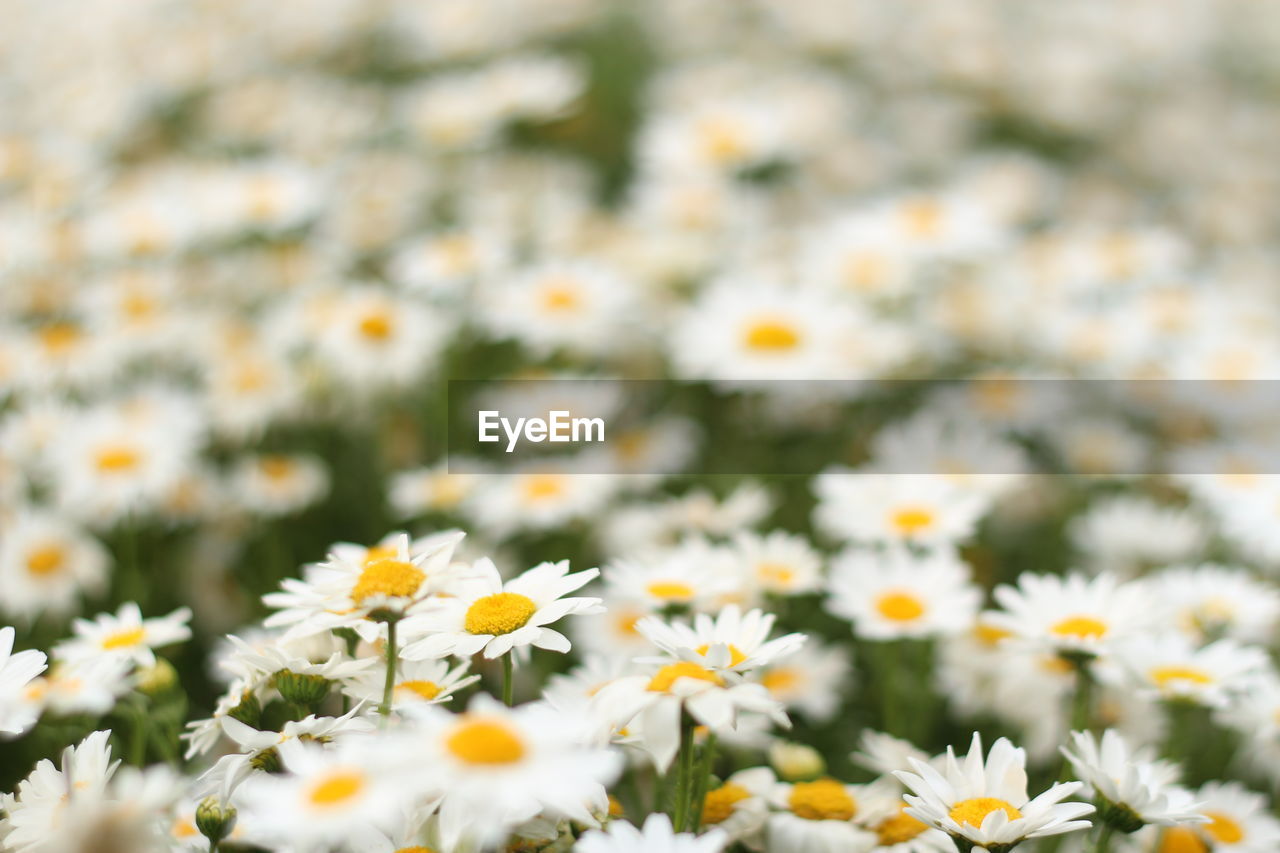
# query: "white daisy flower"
[[812, 680], [534, 498], [985, 804], [371, 338], [694, 574], [429, 681], [1132, 788], [1173, 668], [1071, 615], [89, 686], [125, 634], [778, 563], [733, 640], [16, 672], [919, 509], [896, 593], [278, 484], [46, 563], [882, 810], [1211, 601], [817, 816], [739, 807], [656, 837], [356, 585], [35, 811], [486, 615], [327, 797], [426, 490], [1238, 821], [494, 767]]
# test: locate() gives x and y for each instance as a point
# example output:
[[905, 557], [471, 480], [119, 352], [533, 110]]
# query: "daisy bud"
[[796, 762], [215, 821], [158, 678], [305, 690]]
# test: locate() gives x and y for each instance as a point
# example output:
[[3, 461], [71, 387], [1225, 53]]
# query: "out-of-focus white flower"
[[894, 594], [125, 634], [46, 563], [919, 509], [656, 837], [1072, 614], [1171, 667], [16, 671]]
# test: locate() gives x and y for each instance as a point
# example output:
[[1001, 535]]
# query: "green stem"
[[508, 679], [700, 782], [684, 777], [1082, 699], [1103, 844], [389, 685]]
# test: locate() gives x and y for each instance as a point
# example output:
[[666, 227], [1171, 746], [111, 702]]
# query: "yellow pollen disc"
[[900, 607], [912, 519], [667, 676], [671, 590], [337, 788], [117, 459], [377, 326], [248, 378], [560, 297], [1181, 839], [973, 812], [183, 828], [775, 574], [899, 828], [1081, 627], [415, 849], [1224, 828], [500, 613], [276, 467], [379, 552], [923, 218], [59, 337], [626, 624], [865, 272], [485, 741], [722, 141], [771, 336], [1163, 675], [387, 577], [780, 680], [615, 807], [825, 799], [719, 803], [735, 654], [539, 487], [990, 635], [123, 639], [137, 306], [426, 689], [45, 560]]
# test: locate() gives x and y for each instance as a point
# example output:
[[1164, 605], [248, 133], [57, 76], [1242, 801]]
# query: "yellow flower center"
[[771, 336], [1224, 828], [540, 487], [865, 272], [117, 458], [1081, 628], [418, 848], [59, 337], [389, 577], [719, 803], [426, 689], [500, 613], [671, 590], [336, 789], [560, 297], [973, 812], [485, 741], [123, 638], [722, 141], [735, 654], [900, 606], [990, 635], [911, 520], [377, 326], [1163, 675], [183, 828], [45, 560], [1182, 839], [780, 680], [276, 467], [825, 799], [615, 807], [775, 574], [668, 675], [923, 218], [899, 828], [626, 624]]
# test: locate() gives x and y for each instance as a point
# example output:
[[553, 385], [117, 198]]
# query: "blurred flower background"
[[244, 246]]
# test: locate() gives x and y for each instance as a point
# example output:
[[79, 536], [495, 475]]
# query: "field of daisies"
[[253, 598]]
